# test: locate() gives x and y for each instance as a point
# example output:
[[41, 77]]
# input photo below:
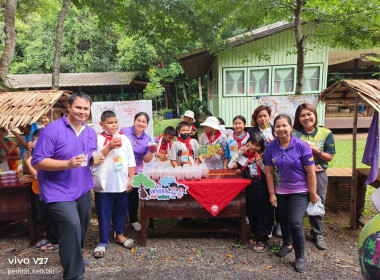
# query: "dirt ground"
[[187, 256]]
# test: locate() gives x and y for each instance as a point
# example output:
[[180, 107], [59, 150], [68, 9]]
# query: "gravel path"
[[188, 256]]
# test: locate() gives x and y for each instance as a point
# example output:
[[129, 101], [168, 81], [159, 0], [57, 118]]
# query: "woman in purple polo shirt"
[[139, 140], [291, 183]]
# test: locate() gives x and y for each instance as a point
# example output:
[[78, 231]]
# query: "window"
[[312, 78], [259, 81], [284, 79], [234, 81]]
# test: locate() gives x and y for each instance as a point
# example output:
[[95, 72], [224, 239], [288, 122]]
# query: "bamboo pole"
[[354, 186]]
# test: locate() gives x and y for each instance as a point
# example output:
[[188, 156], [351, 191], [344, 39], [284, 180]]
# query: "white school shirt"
[[214, 162], [117, 180]]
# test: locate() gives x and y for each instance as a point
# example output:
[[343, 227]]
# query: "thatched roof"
[[344, 91], [25, 107], [71, 79]]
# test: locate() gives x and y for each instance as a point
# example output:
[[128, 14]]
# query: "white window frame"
[[320, 65], [294, 78], [225, 70], [269, 81]]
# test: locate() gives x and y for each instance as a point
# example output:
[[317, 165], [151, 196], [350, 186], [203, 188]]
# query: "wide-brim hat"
[[189, 114], [212, 122], [375, 198]]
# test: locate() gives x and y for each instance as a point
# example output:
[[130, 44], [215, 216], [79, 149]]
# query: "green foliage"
[[153, 89], [194, 105], [136, 54], [165, 111]]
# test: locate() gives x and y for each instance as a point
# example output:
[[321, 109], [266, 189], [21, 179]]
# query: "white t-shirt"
[[117, 180]]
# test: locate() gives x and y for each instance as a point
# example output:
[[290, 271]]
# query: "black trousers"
[[47, 221], [73, 220], [259, 209], [291, 210], [133, 206]]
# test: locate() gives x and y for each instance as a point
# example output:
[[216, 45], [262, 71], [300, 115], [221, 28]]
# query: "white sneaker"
[[136, 226], [246, 220], [278, 230]]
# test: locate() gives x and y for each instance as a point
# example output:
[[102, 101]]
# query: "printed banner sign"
[[168, 188], [125, 112], [287, 104]]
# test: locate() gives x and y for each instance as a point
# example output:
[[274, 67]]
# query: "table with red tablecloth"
[[220, 195]]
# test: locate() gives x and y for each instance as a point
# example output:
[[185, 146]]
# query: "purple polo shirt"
[[139, 145], [289, 173], [59, 141]]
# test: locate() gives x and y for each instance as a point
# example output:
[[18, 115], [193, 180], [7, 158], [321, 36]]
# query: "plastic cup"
[[85, 156], [152, 147], [188, 174], [155, 173], [117, 136], [96, 156], [197, 171]]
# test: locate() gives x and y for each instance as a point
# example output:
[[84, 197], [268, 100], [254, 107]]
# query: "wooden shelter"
[[25, 107], [354, 93]]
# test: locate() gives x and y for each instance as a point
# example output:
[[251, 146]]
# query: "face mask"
[[184, 136]]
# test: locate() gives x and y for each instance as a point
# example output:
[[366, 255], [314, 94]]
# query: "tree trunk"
[[301, 42], [166, 98], [184, 93], [9, 13], [200, 92], [176, 98], [58, 44]]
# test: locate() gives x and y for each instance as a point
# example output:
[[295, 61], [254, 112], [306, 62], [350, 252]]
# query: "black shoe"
[[300, 265], [151, 224], [284, 250], [319, 241]]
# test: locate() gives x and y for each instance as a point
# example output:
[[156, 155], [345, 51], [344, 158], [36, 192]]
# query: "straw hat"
[[212, 122], [189, 114]]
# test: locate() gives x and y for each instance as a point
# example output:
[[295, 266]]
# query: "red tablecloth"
[[215, 194]]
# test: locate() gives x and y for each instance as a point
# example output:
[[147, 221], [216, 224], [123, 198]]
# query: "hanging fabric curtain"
[[235, 76], [258, 75], [282, 74], [307, 75]]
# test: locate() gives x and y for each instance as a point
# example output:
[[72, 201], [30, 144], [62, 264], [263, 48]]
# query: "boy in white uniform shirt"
[[112, 202]]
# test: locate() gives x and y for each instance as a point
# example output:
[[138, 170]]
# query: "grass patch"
[[343, 156], [160, 125]]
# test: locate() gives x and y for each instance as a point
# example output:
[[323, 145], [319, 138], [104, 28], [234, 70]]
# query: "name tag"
[[184, 157], [233, 148], [117, 163]]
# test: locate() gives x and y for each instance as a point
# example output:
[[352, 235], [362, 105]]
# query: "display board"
[[125, 112], [287, 104]]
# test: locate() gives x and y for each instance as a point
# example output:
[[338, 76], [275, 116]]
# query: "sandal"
[[40, 244], [49, 247], [99, 251], [129, 244], [262, 245], [94, 222]]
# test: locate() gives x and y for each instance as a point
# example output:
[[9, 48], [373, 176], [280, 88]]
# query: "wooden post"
[[122, 93], [354, 186]]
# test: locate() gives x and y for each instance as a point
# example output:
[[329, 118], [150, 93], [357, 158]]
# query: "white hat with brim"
[[189, 114], [212, 122], [375, 198]]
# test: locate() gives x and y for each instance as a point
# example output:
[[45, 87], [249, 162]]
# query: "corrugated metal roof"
[[344, 91], [70, 79], [25, 107]]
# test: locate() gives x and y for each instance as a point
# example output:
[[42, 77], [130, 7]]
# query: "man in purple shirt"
[[62, 156]]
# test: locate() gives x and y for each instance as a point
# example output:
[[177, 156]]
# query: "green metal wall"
[[276, 46]]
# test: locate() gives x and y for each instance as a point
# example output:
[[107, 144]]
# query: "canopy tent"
[[355, 93], [26, 107]]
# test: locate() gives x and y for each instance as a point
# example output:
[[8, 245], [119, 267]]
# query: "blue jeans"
[[73, 220]]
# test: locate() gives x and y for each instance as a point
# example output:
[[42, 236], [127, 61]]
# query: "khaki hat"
[[212, 122], [189, 114]]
